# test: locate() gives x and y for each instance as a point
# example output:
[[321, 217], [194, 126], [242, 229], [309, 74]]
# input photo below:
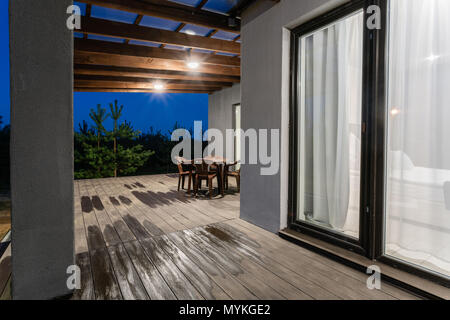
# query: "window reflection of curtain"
[[418, 163], [333, 60]]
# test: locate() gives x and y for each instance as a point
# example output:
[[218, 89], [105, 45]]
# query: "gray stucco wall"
[[41, 57], [265, 100], [220, 108]]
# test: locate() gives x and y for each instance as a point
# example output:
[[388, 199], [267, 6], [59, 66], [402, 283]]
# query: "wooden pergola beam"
[[88, 14], [147, 80], [121, 30], [173, 11], [136, 22], [178, 29], [81, 89], [105, 59], [182, 25], [89, 46], [140, 85], [80, 69]]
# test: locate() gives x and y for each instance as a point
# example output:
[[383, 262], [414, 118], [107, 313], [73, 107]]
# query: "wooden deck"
[[138, 238], [5, 269]]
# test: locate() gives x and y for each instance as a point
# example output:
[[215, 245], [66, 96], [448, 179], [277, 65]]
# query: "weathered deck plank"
[[110, 234], [182, 203], [86, 292], [119, 225], [352, 284], [223, 278], [94, 235], [81, 244], [199, 279], [5, 269], [226, 245], [134, 219], [315, 271], [154, 283], [138, 209], [254, 250], [129, 282], [168, 203], [149, 201], [139, 238], [227, 261], [176, 280], [105, 282]]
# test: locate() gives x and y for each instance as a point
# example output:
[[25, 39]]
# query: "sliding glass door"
[[417, 203], [370, 132], [328, 131]]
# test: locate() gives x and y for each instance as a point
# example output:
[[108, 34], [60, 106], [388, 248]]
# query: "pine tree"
[[116, 113], [130, 154], [84, 128], [99, 117], [102, 153]]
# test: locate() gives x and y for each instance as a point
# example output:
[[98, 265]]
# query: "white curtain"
[[418, 163], [332, 102]]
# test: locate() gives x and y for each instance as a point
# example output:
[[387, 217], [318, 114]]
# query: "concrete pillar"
[[41, 56]]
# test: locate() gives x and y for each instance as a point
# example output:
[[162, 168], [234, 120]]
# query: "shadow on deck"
[[138, 238]]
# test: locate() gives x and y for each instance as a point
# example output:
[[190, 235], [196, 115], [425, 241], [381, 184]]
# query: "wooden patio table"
[[219, 162]]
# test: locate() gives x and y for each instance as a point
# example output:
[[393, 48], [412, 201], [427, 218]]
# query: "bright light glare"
[[432, 57], [193, 65], [158, 86], [395, 111], [190, 32]]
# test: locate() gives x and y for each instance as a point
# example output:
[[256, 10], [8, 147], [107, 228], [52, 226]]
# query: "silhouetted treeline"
[[137, 153], [156, 141], [122, 151]]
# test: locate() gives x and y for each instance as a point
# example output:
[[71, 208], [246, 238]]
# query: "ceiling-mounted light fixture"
[[158, 86], [191, 32], [193, 64]]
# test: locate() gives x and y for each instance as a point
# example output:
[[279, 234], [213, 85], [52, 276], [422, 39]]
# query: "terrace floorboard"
[[139, 238]]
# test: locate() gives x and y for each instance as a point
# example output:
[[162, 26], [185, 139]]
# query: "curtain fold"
[[333, 66], [418, 162]]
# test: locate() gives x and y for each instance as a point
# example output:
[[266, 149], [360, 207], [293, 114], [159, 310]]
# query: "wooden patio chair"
[[236, 174], [202, 172], [182, 173]]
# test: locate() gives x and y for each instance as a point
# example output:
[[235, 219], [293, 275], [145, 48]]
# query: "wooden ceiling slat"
[[147, 80], [178, 29], [140, 85], [149, 74], [136, 22], [121, 30], [105, 59], [81, 89], [173, 11], [88, 14], [182, 25], [151, 52], [120, 67]]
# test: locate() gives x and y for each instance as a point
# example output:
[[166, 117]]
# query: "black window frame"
[[356, 245], [373, 180]]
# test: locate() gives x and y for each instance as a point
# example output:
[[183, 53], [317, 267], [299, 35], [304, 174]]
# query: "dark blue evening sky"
[[4, 62], [143, 110]]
